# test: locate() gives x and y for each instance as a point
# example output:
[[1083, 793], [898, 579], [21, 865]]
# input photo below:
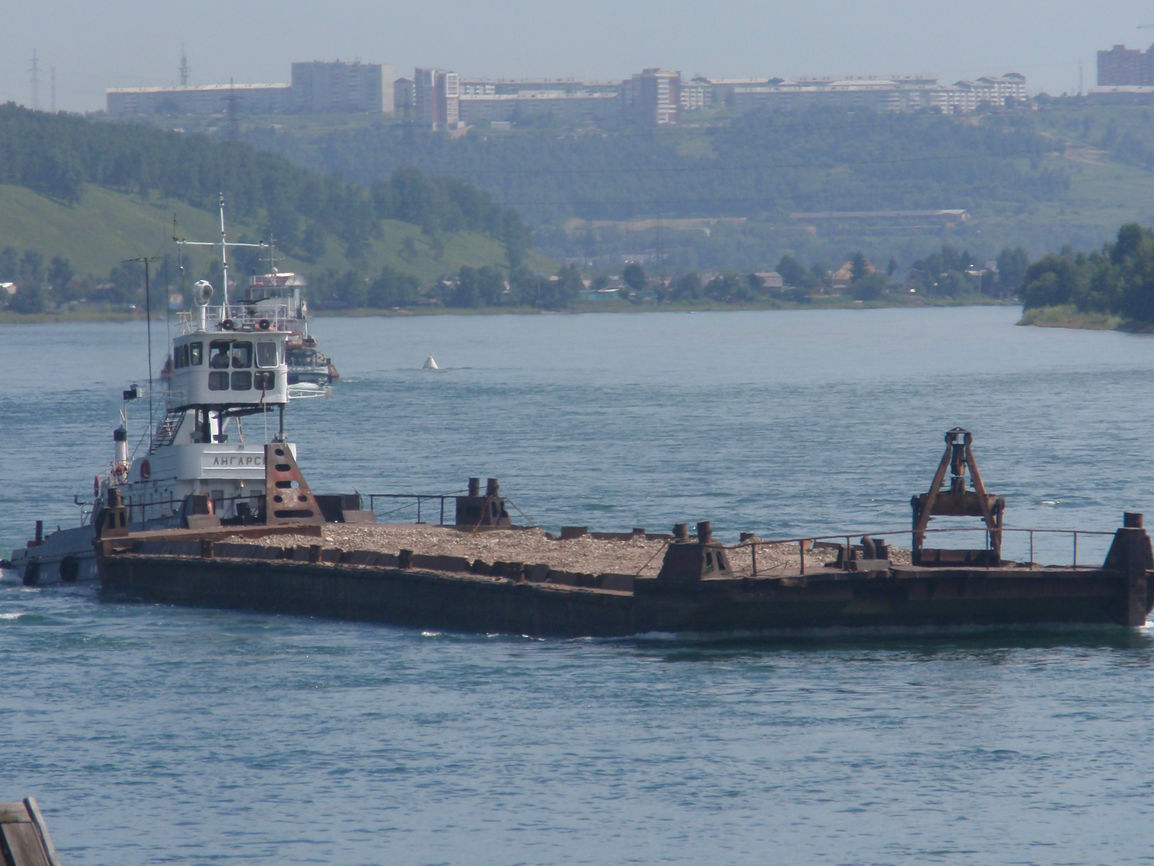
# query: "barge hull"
[[468, 602], [407, 597]]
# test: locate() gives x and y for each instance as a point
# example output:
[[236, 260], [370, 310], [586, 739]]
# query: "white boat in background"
[[430, 364], [310, 370]]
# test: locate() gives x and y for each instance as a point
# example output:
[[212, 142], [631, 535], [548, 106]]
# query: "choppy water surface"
[[160, 735]]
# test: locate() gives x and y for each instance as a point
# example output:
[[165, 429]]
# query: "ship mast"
[[224, 245]]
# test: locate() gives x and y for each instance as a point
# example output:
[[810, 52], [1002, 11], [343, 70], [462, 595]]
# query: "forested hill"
[[1066, 173], [314, 218], [755, 164]]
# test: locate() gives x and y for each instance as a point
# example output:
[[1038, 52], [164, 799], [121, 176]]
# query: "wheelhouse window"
[[218, 354], [218, 380], [264, 380], [196, 353], [266, 354], [241, 355]]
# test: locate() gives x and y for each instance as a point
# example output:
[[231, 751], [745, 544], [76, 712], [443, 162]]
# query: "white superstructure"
[[228, 368]]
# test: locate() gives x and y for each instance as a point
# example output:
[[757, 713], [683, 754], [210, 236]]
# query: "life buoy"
[[119, 473], [227, 325], [264, 324], [145, 470]]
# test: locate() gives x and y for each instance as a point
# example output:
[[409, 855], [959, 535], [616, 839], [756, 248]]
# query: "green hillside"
[[78, 198], [106, 227], [101, 230]]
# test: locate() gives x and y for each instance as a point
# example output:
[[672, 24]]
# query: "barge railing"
[[419, 498], [846, 538], [137, 510]]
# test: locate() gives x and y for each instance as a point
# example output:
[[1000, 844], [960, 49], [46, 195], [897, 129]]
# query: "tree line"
[[949, 274], [1117, 279]]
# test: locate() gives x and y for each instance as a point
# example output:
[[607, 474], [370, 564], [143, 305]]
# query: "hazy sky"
[[86, 47]]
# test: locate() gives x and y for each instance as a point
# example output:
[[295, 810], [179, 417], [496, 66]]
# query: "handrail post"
[[753, 551], [1075, 550], [418, 508], [801, 550], [1031, 549]]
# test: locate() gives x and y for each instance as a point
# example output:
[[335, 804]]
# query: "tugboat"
[[202, 465]]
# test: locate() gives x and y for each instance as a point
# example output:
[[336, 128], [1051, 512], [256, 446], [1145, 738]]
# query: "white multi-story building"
[[213, 99], [897, 93], [696, 94]]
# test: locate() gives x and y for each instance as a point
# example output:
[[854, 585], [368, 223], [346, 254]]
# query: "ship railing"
[[263, 316], [162, 511], [1030, 543]]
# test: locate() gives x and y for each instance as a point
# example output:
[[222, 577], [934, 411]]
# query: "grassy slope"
[[107, 227], [101, 231]]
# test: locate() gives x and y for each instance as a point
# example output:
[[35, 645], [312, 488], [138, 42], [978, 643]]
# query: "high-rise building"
[[437, 97], [653, 97], [342, 88], [1121, 66]]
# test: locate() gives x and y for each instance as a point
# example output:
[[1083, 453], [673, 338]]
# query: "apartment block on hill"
[[1126, 66], [316, 88]]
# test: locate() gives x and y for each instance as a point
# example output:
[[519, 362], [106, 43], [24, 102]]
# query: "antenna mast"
[[183, 67], [35, 81], [148, 320], [223, 255], [224, 245]]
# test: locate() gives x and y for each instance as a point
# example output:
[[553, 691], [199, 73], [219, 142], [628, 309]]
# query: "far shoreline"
[[828, 303], [1068, 316]]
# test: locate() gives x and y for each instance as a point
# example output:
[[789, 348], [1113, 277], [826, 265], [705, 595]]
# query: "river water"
[[160, 735]]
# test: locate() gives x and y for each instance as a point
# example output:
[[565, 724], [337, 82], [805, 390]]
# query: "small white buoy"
[[430, 364]]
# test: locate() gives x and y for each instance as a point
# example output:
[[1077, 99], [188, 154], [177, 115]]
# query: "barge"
[[693, 583]]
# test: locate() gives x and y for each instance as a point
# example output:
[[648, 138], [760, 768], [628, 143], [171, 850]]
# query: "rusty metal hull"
[[429, 598], [411, 597], [935, 598]]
